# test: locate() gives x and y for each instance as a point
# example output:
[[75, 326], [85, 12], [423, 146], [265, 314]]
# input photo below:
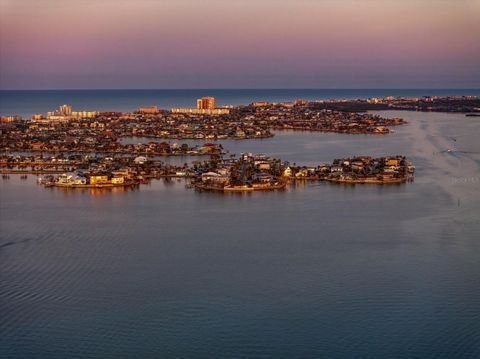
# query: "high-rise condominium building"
[[206, 103], [65, 110]]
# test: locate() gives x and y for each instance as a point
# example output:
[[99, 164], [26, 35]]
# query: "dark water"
[[316, 271], [26, 103]]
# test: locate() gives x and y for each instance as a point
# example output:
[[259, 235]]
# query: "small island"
[[246, 173], [260, 172]]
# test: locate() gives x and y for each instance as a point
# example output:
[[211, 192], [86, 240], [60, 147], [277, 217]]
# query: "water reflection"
[[93, 191]]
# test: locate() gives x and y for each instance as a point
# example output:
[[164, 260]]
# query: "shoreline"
[[241, 188], [106, 185], [247, 173]]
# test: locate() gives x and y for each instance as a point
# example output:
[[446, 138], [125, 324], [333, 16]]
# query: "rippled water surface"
[[315, 271]]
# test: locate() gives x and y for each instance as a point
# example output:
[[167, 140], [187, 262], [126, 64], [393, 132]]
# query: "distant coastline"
[[27, 102]]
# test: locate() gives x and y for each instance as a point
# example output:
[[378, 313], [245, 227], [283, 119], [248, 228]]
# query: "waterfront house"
[[209, 148], [98, 179], [324, 168], [140, 160], [392, 162], [381, 129], [287, 172], [302, 172], [262, 177], [214, 177], [79, 180], [357, 165], [262, 165], [118, 180]]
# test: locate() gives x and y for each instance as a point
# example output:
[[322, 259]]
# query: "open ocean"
[[315, 271]]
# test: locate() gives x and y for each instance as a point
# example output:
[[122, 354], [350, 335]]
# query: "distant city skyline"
[[146, 44]]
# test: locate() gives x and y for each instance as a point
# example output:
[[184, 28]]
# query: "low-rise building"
[[148, 109], [202, 111]]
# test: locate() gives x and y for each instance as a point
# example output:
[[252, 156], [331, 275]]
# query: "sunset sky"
[[55, 44]]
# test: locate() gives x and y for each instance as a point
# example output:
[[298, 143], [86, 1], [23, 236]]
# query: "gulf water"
[[315, 271]]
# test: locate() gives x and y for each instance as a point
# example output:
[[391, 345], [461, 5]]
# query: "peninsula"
[[68, 131]]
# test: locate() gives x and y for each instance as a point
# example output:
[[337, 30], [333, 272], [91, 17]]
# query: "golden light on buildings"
[[206, 103]]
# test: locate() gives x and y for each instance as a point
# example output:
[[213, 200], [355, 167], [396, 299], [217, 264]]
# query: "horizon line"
[[242, 88]]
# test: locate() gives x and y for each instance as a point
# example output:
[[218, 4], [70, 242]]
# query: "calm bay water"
[[318, 270]]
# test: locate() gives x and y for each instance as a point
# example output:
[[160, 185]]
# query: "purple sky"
[[239, 44]]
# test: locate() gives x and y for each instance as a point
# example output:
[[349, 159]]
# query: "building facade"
[[206, 103], [148, 109], [196, 111]]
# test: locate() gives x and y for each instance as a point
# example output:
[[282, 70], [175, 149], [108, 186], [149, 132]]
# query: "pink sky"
[[248, 43]]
